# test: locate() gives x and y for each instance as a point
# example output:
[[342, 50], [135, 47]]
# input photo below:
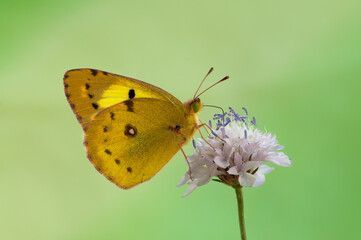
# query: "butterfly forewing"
[[90, 91]]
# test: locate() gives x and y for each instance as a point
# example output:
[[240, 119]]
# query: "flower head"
[[235, 153]]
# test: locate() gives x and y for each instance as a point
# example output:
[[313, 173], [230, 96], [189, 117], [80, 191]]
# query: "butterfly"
[[131, 128]]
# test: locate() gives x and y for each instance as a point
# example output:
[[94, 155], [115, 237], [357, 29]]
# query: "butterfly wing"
[[89, 91], [131, 141]]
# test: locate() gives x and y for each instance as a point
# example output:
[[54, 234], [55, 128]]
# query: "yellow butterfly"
[[132, 128]]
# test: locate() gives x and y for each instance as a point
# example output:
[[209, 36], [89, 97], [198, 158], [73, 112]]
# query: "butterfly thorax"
[[192, 107]]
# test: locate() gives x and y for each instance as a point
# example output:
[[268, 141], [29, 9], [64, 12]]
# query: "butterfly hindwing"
[[89, 91], [131, 141]]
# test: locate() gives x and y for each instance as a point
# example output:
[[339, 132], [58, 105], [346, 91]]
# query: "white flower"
[[235, 154]]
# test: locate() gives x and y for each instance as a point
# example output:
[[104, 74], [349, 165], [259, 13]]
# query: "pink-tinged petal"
[[204, 180], [279, 158], [233, 170], [238, 160], [260, 179], [280, 147], [264, 169], [219, 151], [251, 165], [219, 160], [227, 151], [246, 179], [190, 189], [184, 180]]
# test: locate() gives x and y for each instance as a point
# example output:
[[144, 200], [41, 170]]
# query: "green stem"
[[242, 225]]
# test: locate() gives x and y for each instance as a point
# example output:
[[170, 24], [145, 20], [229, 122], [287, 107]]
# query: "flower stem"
[[242, 225]]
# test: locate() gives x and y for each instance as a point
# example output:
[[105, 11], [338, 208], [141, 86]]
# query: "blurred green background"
[[295, 65]]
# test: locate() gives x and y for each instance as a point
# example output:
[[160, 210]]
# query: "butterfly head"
[[194, 106]]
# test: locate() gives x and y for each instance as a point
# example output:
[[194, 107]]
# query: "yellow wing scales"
[[131, 141], [89, 91]]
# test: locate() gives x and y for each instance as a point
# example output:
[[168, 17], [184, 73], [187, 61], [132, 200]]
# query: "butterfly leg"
[[206, 125], [189, 166], [199, 130]]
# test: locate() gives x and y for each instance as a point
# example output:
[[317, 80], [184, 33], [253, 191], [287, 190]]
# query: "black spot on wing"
[[105, 129], [90, 96], [107, 151], [129, 169], [87, 86], [105, 73], [112, 115], [117, 161], [130, 105], [131, 93], [95, 106], [66, 76], [94, 72]]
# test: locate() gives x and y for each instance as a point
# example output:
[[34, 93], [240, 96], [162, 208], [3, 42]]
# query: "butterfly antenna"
[[223, 79], [209, 72]]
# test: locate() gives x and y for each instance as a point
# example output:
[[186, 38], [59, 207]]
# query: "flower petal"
[[220, 161], [259, 175], [227, 150], [279, 158], [246, 179], [233, 170], [260, 179], [190, 189], [184, 180], [251, 165], [238, 160], [264, 169]]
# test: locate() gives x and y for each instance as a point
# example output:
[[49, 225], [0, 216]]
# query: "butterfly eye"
[[177, 127], [196, 106]]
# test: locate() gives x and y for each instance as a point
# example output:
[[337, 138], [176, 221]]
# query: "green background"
[[295, 65]]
